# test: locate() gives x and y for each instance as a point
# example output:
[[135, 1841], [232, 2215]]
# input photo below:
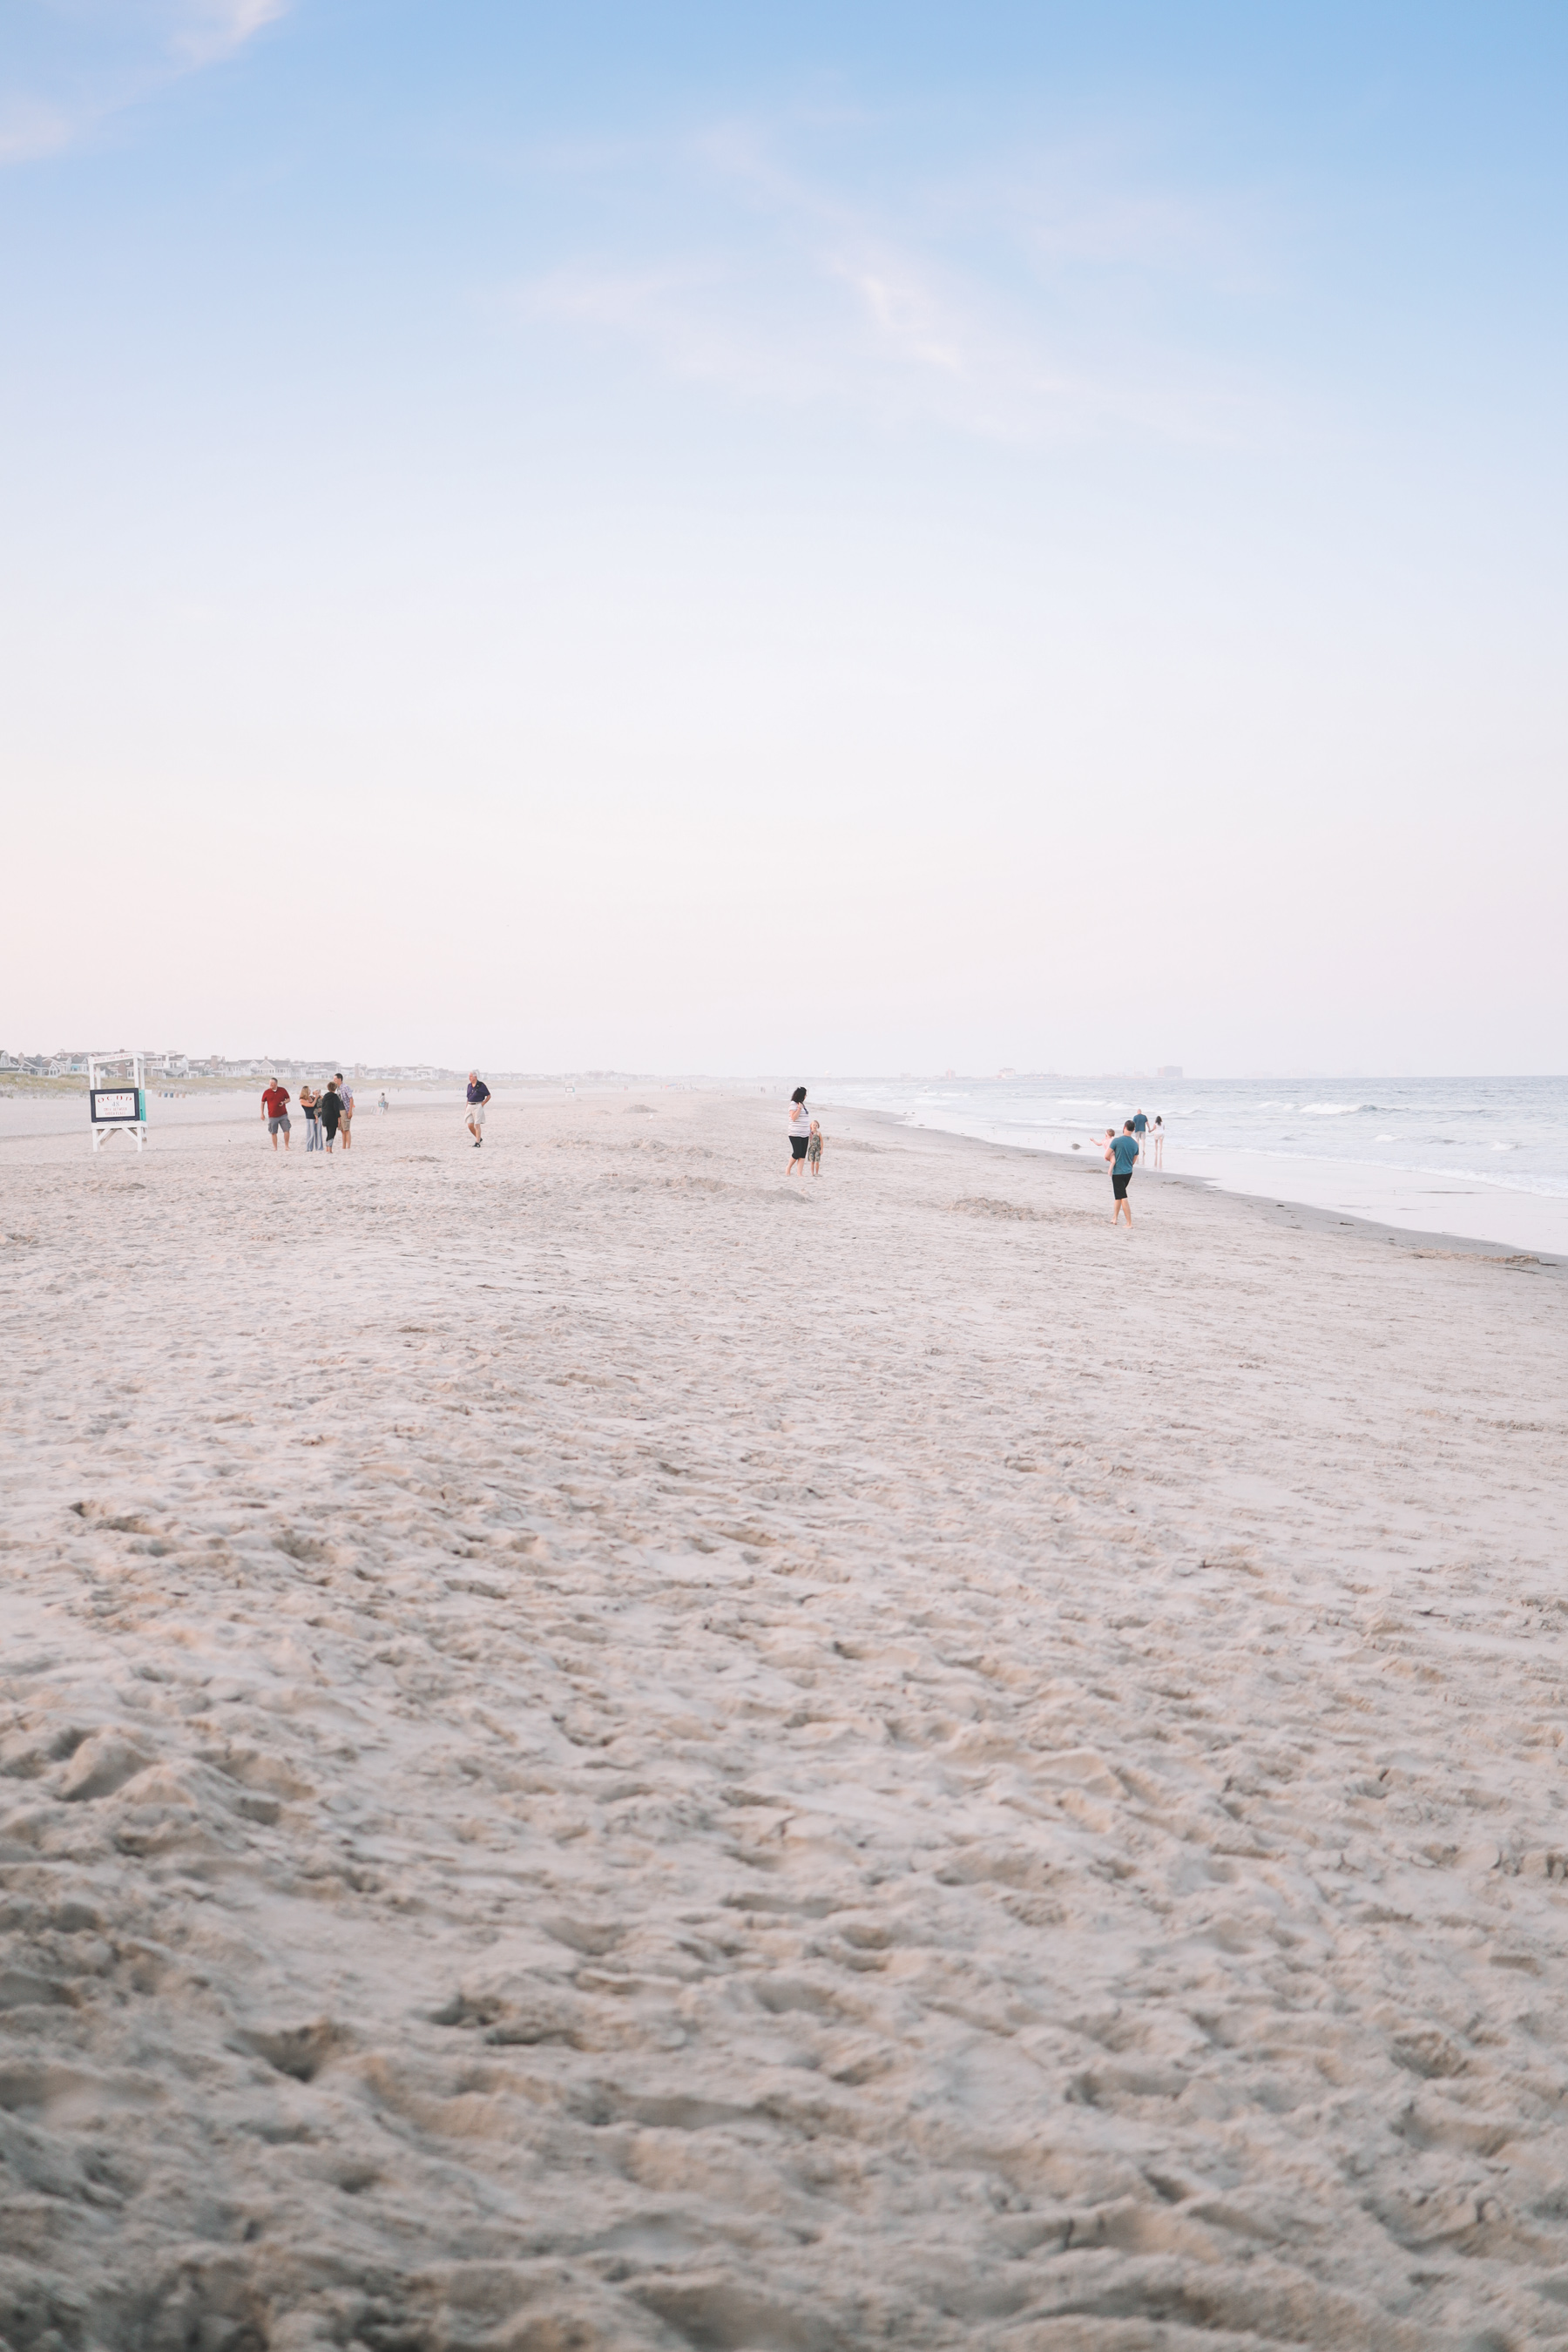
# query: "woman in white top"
[[799, 1130]]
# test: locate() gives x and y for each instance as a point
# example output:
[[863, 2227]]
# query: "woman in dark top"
[[309, 1104], [330, 1110]]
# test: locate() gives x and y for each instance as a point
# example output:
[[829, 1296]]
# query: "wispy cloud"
[[1031, 300], [79, 63], [211, 30], [30, 127]]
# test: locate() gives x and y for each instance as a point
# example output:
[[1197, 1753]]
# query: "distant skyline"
[[873, 539], [412, 1070]]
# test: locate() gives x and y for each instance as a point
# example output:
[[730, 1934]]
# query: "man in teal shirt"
[[1120, 1154]]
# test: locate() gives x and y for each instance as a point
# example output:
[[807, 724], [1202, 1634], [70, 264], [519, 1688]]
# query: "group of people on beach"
[[329, 1113]]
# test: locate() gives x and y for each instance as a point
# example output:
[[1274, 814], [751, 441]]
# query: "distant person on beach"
[[1140, 1126], [1120, 1153], [346, 1096], [479, 1095], [382, 1105], [275, 1111], [329, 1111], [799, 1132], [813, 1149], [311, 1103], [1157, 1142]]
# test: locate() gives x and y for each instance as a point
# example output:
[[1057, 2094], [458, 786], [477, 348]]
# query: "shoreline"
[[207, 1112], [1316, 1216]]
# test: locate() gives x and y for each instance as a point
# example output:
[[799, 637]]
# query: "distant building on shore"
[[1169, 1070]]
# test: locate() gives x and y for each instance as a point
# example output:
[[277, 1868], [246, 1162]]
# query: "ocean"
[[1483, 1158]]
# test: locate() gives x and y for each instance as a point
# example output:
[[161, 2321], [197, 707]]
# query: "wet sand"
[[599, 1750]]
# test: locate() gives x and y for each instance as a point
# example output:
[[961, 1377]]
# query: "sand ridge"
[[597, 1751]]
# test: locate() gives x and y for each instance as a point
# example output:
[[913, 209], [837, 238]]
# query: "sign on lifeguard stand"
[[116, 1097]]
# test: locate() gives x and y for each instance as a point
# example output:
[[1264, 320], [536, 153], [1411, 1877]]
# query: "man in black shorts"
[[1120, 1153]]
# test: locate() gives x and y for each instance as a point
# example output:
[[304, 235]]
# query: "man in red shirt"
[[275, 1111]]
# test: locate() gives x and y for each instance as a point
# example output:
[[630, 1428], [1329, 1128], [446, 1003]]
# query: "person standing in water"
[[1157, 1142], [799, 1132], [1121, 1153]]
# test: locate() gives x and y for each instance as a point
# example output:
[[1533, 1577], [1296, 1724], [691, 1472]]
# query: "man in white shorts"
[[479, 1095]]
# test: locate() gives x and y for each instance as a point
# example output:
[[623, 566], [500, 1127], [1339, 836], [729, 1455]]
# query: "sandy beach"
[[601, 1748]]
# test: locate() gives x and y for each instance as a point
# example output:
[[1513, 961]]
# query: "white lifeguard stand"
[[116, 1097]]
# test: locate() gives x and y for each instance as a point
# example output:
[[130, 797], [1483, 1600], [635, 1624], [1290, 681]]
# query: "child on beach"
[[813, 1149]]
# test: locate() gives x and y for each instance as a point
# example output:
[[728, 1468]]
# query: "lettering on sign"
[[120, 1104]]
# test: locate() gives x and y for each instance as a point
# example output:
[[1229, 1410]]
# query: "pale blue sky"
[[838, 538]]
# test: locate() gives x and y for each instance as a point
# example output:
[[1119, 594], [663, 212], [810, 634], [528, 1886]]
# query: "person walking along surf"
[[799, 1132], [1120, 1153], [479, 1095], [275, 1111]]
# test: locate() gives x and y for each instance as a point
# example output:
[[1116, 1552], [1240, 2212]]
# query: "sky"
[[846, 539]]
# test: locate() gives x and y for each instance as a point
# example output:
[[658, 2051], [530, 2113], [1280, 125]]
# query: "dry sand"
[[598, 1753]]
